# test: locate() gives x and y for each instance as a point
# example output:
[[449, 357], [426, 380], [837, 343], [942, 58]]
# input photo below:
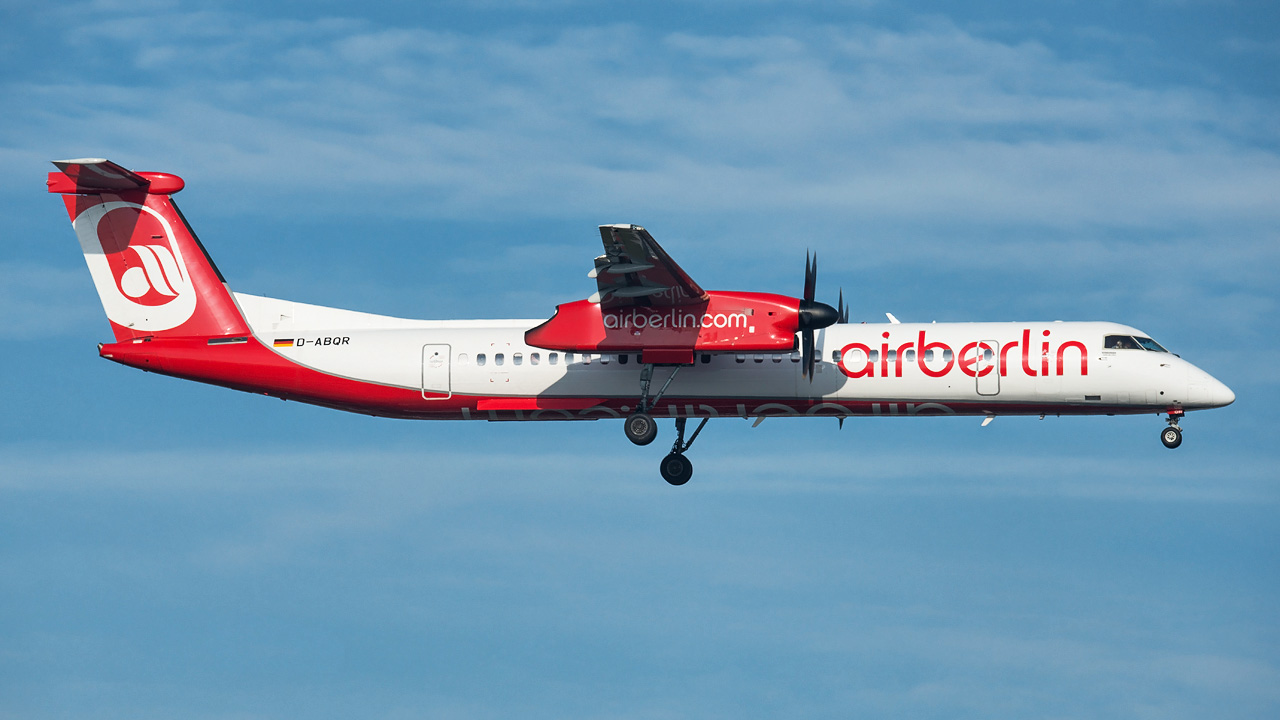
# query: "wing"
[[635, 270]]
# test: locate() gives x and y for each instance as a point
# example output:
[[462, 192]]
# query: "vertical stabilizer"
[[151, 272]]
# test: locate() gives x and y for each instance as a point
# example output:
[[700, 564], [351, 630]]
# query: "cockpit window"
[[1149, 344], [1127, 342], [1121, 342]]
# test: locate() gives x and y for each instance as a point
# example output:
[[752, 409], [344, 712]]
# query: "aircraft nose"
[[1209, 392], [1220, 394]]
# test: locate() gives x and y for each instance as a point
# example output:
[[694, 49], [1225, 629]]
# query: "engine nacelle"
[[724, 322]]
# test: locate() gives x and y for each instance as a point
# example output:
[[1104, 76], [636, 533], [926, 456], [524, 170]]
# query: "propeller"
[[813, 315]]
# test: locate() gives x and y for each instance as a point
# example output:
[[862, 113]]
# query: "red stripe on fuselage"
[[252, 367]]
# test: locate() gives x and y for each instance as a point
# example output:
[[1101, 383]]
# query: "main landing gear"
[[640, 427], [676, 468], [1172, 435]]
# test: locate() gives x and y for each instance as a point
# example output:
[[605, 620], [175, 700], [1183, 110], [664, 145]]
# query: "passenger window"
[[875, 355], [479, 358], [463, 359], [497, 358], [604, 359], [776, 357], [568, 358], [987, 354], [835, 356], [947, 355], [552, 358], [795, 357], [517, 359], [586, 358], [534, 358], [909, 356], [741, 358], [706, 359], [928, 356], [622, 359], [893, 356], [758, 358]]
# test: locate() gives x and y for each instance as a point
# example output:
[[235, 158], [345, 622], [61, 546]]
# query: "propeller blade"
[[844, 309], [810, 275], [806, 358]]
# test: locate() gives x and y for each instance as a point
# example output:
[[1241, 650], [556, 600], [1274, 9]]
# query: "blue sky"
[[168, 549]]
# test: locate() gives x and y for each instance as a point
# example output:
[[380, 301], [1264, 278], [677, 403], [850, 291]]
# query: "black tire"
[[640, 428], [676, 469], [1171, 437]]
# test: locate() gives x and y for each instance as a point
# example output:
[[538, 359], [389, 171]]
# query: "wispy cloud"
[[934, 123]]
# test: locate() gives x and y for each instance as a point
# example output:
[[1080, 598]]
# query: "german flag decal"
[[283, 343]]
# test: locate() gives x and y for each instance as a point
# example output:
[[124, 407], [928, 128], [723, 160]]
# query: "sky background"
[[174, 550]]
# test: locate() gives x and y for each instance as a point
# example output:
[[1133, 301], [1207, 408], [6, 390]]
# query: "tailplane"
[[151, 272]]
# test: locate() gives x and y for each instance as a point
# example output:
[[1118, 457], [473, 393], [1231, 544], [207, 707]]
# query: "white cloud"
[[860, 122]]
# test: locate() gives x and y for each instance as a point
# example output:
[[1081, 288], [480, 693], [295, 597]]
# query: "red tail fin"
[[152, 274]]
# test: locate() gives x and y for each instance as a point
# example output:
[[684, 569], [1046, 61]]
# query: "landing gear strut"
[[676, 468], [640, 427], [1172, 435]]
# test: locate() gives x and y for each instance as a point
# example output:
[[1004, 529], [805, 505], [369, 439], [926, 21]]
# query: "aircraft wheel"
[[640, 428], [676, 469], [1171, 437]]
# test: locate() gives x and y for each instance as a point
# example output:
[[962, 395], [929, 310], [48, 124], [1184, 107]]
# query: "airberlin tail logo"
[[137, 265]]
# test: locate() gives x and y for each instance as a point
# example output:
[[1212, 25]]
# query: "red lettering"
[[1044, 356], [990, 368], [923, 348], [1026, 353], [1004, 358], [1084, 356], [884, 357], [967, 359], [897, 362], [868, 369]]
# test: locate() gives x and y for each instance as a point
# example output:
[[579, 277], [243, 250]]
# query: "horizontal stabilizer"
[[94, 176], [100, 174]]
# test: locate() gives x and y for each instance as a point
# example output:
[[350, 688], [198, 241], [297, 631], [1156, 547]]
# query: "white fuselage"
[[876, 369]]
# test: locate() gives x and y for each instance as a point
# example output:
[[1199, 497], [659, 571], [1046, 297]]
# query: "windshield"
[[1131, 342], [1149, 344]]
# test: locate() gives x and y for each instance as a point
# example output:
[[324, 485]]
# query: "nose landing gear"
[[1172, 435], [676, 468]]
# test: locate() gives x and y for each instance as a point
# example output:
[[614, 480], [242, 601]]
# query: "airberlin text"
[[975, 359], [673, 318]]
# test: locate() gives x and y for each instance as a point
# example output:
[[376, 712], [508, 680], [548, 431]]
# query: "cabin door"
[[987, 367], [435, 372]]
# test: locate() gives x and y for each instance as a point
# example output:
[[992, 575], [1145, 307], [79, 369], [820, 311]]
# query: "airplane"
[[649, 324]]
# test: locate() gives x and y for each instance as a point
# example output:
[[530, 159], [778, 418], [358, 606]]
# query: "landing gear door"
[[987, 368], [435, 372]]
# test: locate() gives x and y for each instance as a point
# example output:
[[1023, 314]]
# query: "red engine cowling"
[[725, 322]]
